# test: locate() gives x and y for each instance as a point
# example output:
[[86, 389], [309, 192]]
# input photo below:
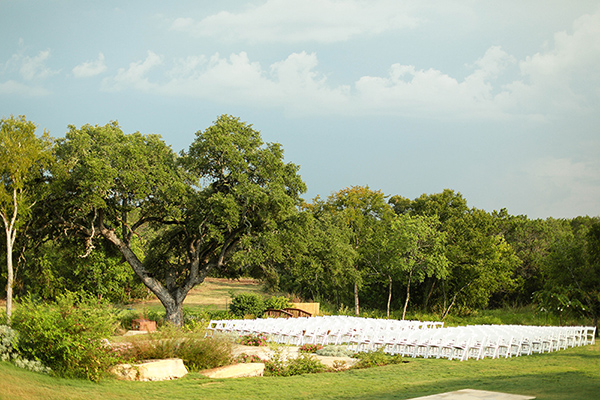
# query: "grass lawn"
[[569, 374], [212, 294]]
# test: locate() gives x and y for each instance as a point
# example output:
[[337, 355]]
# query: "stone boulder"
[[244, 370], [152, 370]]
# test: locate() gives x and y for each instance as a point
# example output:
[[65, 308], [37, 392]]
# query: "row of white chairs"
[[317, 330], [413, 338], [477, 342]]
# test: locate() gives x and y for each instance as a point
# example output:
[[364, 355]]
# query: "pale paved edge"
[[471, 394]]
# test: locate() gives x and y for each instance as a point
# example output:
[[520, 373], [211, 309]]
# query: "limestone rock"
[[243, 370], [152, 370]]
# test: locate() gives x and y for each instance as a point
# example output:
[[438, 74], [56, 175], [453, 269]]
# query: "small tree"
[[23, 159]]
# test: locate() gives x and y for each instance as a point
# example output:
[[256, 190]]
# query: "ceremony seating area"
[[412, 338]]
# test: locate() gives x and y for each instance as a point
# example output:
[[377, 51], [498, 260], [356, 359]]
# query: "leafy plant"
[[376, 359], [247, 304], [66, 335], [277, 302], [304, 364]]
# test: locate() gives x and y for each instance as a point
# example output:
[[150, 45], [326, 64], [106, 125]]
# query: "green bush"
[[8, 343], [278, 302], [376, 359], [66, 335], [9, 351], [197, 352], [247, 304], [304, 364]]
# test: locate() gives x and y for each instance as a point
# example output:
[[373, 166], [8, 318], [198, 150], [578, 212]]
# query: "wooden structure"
[[290, 312], [141, 324]]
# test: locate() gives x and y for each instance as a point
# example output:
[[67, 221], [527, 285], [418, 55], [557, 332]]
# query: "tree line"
[[119, 215]]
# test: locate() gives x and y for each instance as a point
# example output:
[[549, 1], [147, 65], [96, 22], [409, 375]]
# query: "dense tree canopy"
[[119, 214], [189, 212]]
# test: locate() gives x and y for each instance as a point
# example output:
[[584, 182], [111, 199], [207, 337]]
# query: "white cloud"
[[90, 68], [555, 83], [135, 76], [564, 78], [30, 68], [282, 21], [13, 88], [26, 74]]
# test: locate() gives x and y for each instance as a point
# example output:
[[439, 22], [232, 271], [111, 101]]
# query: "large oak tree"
[[173, 218]]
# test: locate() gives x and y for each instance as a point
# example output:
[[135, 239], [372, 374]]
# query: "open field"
[[213, 294], [572, 374]]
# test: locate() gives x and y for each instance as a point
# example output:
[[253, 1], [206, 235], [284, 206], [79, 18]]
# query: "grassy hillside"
[[572, 374]]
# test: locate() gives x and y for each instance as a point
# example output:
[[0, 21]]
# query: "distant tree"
[[362, 209], [23, 159], [481, 262], [573, 274], [192, 211], [407, 247]]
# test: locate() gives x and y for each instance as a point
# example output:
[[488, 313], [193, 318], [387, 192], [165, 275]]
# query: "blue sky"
[[498, 100]]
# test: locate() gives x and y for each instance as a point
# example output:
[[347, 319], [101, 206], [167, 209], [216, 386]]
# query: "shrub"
[[310, 348], [277, 302], [253, 340], [304, 364], [335, 351], [247, 304], [66, 335], [376, 359], [197, 352], [8, 343], [9, 351]]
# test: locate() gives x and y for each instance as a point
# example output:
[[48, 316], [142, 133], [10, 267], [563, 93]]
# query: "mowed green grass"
[[569, 374]]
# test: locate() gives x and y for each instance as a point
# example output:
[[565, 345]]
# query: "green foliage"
[[197, 352], [24, 159], [303, 364], [193, 211], [59, 266], [66, 335], [8, 343], [376, 359], [277, 302], [247, 304], [9, 351]]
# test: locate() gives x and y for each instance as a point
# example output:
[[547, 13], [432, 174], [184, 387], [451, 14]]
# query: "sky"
[[496, 99]]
